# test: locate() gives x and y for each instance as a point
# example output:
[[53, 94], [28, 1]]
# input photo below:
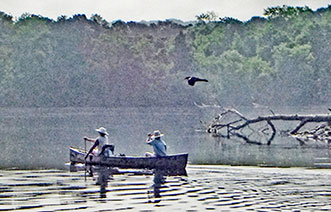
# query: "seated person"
[[99, 142], [159, 146]]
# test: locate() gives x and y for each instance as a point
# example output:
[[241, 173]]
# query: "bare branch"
[[240, 122], [302, 123], [273, 132]]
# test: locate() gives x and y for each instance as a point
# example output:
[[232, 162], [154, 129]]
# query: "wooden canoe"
[[177, 161]]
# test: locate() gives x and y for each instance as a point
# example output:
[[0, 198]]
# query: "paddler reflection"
[[159, 181], [104, 174]]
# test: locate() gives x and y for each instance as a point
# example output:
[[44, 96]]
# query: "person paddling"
[[159, 146], [99, 142]]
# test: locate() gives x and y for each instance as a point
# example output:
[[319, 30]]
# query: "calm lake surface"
[[39, 137], [34, 149]]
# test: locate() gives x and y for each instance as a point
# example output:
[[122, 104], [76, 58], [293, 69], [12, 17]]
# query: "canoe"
[[176, 161]]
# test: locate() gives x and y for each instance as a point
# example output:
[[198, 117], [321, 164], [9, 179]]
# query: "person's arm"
[[96, 143], [149, 139], [89, 139]]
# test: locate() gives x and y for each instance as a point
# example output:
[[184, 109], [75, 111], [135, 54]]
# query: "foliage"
[[208, 16], [285, 11], [282, 59]]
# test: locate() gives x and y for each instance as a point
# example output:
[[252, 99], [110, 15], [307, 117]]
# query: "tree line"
[[282, 58]]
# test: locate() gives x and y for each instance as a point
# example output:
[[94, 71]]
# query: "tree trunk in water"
[[234, 126]]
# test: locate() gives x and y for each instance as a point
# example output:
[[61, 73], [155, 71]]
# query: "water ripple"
[[206, 188]]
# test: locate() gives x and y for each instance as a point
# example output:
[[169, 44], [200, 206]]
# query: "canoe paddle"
[[85, 160]]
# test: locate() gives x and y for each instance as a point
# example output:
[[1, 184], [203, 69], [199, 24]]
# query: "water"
[[34, 149], [206, 188], [39, 137]]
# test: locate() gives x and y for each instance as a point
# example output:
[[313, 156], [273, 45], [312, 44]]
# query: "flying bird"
[[192, 80]]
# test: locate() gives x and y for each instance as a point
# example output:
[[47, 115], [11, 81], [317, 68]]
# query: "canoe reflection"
[[159, 179]]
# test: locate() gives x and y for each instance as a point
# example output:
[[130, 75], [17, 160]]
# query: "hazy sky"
[[138, 10]]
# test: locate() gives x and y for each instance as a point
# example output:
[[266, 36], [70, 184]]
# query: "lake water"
[[39, 137], [206, 188], [34, 149]]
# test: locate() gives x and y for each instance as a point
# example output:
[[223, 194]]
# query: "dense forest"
[[283, 58]]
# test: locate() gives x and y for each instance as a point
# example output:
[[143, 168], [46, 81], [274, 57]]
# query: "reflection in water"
[[102, 180], [208, 188], [104, 174], [160, 176], [159, 180], [66, 126]]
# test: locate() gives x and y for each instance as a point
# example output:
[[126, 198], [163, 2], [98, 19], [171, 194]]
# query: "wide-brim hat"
[[157, 134], [102, 130]]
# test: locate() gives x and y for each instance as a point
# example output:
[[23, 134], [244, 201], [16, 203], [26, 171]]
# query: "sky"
[[149, 10]]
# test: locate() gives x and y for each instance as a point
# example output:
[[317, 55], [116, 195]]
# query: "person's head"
[[102, 131], [157, 134]]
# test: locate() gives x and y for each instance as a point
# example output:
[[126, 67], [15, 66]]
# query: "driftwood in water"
[[234, 126]]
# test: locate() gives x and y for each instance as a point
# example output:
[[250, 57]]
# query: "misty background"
[[61, 79], [78, 61]]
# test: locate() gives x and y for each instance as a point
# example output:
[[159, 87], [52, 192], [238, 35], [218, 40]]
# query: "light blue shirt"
[[159, 146]]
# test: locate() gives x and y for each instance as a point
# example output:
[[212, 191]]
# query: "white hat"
[[102, 130], [157, 134]]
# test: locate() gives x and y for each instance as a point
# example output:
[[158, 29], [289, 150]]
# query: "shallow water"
[[206, 188]]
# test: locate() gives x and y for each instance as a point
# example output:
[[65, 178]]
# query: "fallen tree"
[[234, 126]]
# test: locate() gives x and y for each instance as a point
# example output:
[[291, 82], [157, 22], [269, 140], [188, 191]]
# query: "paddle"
[[85, 160]]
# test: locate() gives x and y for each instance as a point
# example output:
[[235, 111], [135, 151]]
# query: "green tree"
[[6, 59], [285, 11], [33, 48], [294, 75], [76, 61], [208, 16]]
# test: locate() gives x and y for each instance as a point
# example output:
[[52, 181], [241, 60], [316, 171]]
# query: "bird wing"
[[201, 80]]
